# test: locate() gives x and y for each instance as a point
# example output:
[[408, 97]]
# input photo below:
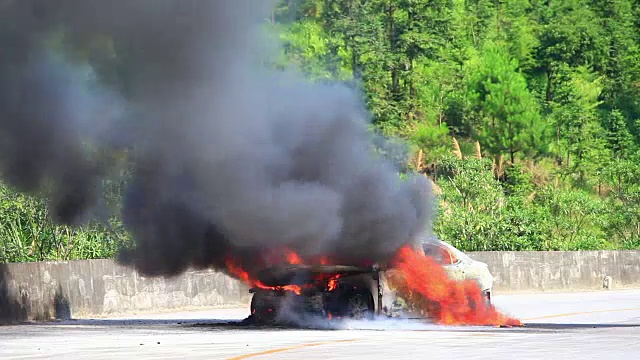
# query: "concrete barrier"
[[561, 270], [40, 291], [45, 290]]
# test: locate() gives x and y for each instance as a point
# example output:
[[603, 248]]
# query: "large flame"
[[427, 287], [284, 256]]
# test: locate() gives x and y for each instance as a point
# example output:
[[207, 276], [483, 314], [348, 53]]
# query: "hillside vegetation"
[[526, 114]]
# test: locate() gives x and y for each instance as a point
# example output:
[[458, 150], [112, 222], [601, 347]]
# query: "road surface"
[[596, 325]]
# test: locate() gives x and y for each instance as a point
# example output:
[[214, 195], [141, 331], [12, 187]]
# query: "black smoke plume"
[[229, 158]]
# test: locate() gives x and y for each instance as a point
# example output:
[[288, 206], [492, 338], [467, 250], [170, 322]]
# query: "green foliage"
[[618, 135], [432, 137], [580, 141], [518, 182], [508, 117], [479, 213], [570, 34], [550, 89], [27, 234]]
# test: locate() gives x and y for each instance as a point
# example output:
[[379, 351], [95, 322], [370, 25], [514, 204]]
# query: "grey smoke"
[[229, 158]]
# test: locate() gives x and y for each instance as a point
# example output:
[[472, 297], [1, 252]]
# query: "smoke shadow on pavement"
[[556, 326], [211, 324], [248, 325], [139, 322]]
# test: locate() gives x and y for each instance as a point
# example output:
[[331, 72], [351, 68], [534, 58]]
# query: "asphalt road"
[[598, 325]]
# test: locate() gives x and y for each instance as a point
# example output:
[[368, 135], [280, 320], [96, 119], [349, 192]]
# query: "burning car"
[[354, 292]]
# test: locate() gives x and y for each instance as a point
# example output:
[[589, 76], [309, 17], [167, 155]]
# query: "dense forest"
[[525, 114]]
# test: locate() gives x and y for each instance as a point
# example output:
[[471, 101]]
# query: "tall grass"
[[27, 233]]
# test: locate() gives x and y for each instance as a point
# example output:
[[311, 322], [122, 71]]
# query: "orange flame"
[[427, 287], [293, 288], [293, 258], [238, 272], [332, 284], [241, 274], [285, 255]]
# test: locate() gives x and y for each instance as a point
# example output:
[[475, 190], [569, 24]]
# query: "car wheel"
[[261, 311], [360, 306]]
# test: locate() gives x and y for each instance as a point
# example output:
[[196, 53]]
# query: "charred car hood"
[[304, 274]]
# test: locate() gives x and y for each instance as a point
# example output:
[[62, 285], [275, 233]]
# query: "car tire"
[[360, 306], [261, 312]]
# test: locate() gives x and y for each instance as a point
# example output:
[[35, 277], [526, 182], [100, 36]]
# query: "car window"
[[456, 254], [454, 258], [439, 254]]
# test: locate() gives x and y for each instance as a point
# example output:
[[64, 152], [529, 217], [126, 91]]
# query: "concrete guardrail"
[[40, 291], [45, 290], [561, 270]]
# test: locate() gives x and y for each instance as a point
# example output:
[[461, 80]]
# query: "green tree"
[[508, 119], [570, 34], [618, 136], [579, 139], [479, 16], [622, 64], [305, 47]]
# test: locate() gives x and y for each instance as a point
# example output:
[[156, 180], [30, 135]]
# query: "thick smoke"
[[229, 158]]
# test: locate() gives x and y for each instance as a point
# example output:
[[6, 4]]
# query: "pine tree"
[[508, 117], [622, 66], [570, 34], [618, 136]]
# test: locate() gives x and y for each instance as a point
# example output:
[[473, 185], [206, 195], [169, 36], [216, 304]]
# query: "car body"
[[357, 292]]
